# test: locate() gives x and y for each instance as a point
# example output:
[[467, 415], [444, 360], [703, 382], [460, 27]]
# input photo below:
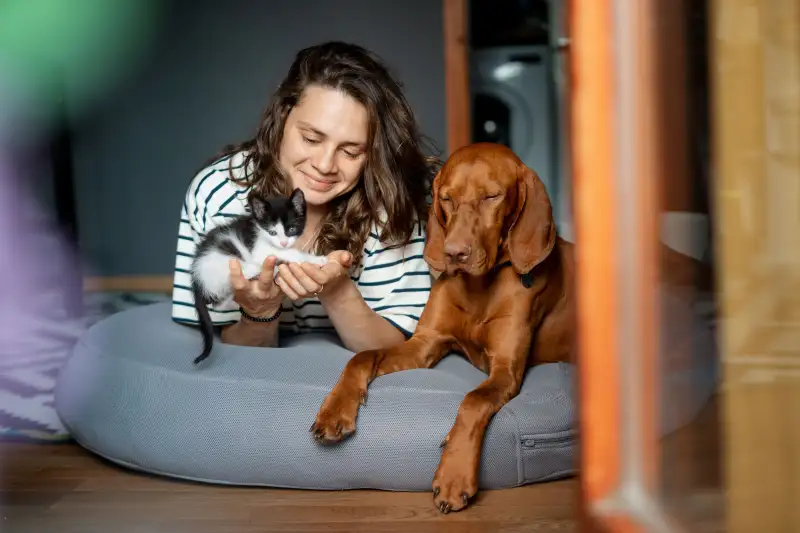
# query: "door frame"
[[615, 143], [455, 31]]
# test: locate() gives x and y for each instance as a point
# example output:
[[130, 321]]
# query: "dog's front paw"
[[454, 484], [336, 419]]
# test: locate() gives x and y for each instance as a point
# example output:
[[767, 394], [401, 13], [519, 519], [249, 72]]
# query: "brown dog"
[[504, 300]]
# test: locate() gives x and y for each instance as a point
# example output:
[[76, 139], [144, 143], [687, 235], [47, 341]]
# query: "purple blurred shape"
[[40, 296]]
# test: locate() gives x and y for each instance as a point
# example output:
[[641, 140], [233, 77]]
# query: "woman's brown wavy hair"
[[396, 176]]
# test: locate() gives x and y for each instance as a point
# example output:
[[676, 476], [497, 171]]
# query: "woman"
[[339, 128]]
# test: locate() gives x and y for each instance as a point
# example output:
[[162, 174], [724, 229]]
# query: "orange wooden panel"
[[456, 70], [616, 149], [651, 129], [592, 147]]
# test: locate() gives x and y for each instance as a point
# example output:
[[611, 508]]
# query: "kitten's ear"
[[298, 200], [258, 207]]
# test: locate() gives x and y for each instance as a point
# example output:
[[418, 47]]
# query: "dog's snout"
[[457, 252]]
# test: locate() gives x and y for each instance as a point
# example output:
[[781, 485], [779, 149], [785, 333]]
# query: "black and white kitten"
[[270, 228]]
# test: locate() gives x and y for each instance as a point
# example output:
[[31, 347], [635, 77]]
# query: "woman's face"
[[324, 144]]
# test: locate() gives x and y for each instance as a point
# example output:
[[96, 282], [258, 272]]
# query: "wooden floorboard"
[[64, 489]]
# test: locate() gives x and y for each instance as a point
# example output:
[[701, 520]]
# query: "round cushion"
[[131, 394]]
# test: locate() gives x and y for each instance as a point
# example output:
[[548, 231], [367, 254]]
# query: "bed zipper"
[[549, 442]]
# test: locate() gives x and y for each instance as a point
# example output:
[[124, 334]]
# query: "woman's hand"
[[305, 280], [260, 297]]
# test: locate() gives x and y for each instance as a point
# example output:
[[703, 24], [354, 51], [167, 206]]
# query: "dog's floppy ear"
[[434, 240], [532, 234]]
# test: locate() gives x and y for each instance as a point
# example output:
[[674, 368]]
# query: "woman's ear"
[[434, 240]]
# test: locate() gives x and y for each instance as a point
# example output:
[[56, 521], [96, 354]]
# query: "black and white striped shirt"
[[394, 281]]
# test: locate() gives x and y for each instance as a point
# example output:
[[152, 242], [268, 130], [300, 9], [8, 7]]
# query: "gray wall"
[[203, 86]]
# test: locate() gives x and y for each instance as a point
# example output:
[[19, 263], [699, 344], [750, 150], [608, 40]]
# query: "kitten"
[[271, 228]]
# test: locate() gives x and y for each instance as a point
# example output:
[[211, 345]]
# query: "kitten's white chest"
[[261, 250]]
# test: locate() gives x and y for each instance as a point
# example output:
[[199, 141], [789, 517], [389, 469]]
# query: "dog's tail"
[[206, 325]]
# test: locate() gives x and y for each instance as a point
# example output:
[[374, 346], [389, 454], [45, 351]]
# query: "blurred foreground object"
[[57, 60], [48, 44], [40, 310], [756, 111]]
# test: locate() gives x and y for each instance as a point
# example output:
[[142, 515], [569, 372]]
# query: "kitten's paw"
[[321, 261], [251, 270]]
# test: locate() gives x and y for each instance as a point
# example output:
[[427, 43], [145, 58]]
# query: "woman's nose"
[[325, 161]]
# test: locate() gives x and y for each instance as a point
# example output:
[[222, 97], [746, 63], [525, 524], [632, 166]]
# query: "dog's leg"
[[336, 419], [456, 478]]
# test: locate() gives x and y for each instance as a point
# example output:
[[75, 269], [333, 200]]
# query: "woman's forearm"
[[249, 333], [359, 327]]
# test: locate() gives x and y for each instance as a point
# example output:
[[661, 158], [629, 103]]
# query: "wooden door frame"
[[455, 28], [628, 142], [614, 145]]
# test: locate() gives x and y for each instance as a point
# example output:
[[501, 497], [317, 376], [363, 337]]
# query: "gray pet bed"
[[131, 394]]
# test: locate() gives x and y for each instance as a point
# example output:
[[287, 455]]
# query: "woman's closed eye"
[[348, 153]]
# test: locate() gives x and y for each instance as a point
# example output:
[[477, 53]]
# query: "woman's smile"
[[319, 185]]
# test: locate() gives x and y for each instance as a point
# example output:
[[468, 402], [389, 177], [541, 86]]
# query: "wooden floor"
[[63, 489]]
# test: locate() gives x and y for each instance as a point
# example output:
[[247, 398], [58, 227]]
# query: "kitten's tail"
[[206, 324]]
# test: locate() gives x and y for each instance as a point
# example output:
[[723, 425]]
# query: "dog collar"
[[526, 278]]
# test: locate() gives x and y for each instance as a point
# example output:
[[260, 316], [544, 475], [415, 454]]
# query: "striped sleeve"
[[396, 281], [199, 214]]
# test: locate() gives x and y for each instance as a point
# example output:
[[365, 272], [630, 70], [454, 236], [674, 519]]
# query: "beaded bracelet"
[[260, 319]]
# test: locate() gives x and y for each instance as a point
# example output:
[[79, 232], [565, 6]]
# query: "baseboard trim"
[[128, 284]]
